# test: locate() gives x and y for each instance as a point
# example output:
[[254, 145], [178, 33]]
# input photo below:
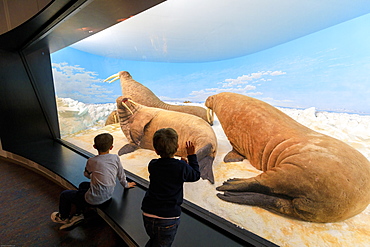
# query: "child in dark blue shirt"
[[162, 202]]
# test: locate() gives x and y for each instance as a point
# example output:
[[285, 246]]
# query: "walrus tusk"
[[131, 102], [210, 116], [127, 108], [112, 78]]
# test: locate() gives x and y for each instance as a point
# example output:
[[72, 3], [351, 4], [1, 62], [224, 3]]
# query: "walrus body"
[[144, 96], [306, 175], [139, 123]]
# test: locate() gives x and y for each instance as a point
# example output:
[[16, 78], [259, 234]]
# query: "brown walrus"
[[139, 123], [306, 175], [144, 96]]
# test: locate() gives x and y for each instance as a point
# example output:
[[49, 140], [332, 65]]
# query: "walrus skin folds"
[[306, 175]]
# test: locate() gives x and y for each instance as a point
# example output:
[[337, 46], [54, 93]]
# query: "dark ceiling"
[[63, 22], [93, 17]]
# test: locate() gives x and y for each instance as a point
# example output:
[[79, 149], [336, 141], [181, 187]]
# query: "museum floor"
[[28, 199]]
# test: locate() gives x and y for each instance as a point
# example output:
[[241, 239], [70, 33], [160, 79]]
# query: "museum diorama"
[[274, 97]]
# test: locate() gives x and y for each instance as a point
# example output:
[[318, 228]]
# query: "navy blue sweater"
[[165, 193]]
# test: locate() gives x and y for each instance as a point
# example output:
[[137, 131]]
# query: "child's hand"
[[131, 185], [190, 149]]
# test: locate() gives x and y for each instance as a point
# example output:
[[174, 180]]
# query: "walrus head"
[[124, 74], [126, 108]]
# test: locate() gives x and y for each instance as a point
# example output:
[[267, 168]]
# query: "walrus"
[[144, 96], [139, 123], [306, 175]]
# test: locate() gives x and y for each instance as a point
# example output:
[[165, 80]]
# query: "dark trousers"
[[161, 231], [77, 198]]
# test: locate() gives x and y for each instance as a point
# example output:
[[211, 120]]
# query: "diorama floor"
[[28, 199]]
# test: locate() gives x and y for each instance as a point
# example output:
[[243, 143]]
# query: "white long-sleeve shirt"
[[103, 171]]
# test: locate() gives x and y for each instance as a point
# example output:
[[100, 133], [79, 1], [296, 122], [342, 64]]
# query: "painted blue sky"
[[329, 70]]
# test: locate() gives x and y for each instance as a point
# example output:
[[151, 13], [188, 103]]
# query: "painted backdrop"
[[328, 70]]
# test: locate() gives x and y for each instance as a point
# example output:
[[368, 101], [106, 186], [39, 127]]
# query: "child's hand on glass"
[[190, 149]]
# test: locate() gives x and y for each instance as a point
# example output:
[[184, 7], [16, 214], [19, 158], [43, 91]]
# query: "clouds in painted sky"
[[73, 81], [241, 84], [254, 77], [327, 70]]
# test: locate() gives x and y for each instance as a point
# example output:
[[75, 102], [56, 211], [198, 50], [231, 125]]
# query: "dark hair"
[[103, 142], [165, 142]]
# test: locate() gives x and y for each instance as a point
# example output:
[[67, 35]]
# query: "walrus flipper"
[[205, 167], [269, 202], [137, 128], [244, 185], [205, 162], [128, 148], [250, 192], [233, 156]]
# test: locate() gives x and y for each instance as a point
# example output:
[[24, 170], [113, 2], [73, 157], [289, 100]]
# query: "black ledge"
[[199, 227]]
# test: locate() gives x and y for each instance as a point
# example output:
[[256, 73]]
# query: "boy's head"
[[165, 142], [103, 142]]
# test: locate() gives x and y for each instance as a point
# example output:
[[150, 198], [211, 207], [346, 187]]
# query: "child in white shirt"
[[103, 170]]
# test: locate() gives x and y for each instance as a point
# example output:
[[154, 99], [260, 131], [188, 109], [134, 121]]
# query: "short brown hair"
[[103, 142], [165, 142]]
